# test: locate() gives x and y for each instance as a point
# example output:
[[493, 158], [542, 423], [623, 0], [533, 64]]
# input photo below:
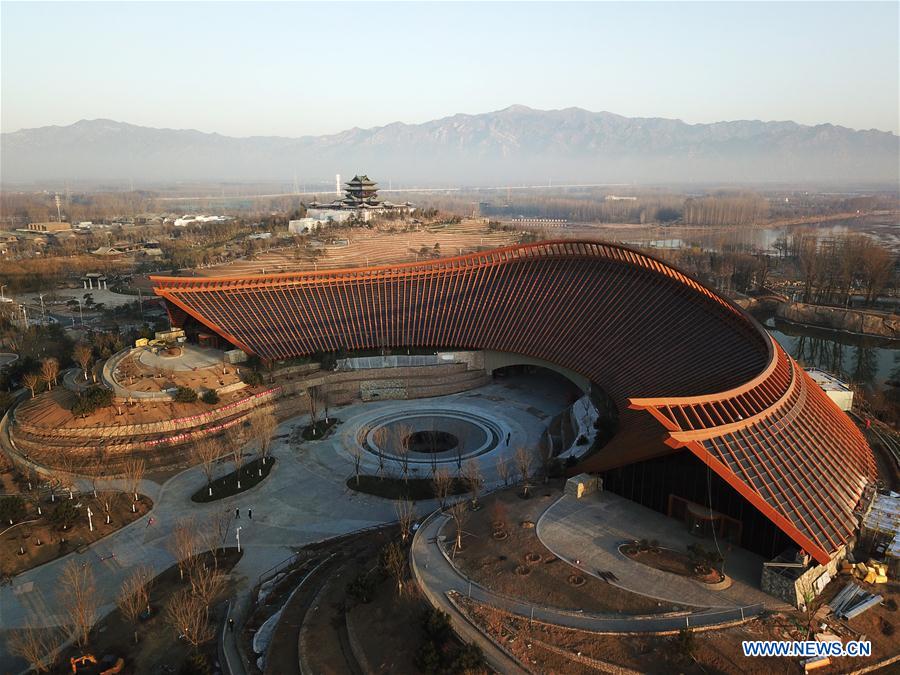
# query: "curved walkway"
[[304, 500], [438, 576]]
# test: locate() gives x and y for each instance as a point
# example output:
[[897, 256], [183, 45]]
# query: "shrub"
[[252, 378], [891, 605], [195, 664], [185, 395], [92, 399], [64, 514], [436, 624], [362, 588], [582, 440], [887, 628], [555, 468], [428, 658], [11, 509], [685, 642], [467, 659], [210, 396]]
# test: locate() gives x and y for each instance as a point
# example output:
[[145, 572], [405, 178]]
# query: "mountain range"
[[510, 146]]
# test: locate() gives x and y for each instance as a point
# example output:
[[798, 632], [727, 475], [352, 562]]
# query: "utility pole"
[[43, 314], [237, 535], [80, 313], [3, 297], [90, 519]]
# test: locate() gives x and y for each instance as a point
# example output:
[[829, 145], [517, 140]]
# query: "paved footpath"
[[591, 529], [304, 499]]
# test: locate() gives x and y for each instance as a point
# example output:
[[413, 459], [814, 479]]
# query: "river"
[[866, 361]]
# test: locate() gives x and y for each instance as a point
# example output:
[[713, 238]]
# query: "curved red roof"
[[685, 367]]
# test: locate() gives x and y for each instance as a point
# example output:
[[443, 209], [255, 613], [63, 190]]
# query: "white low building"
[[837, 390]]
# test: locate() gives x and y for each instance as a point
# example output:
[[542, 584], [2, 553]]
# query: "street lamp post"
[[237, 535], [90, 519], [3, 297], [80, 313]]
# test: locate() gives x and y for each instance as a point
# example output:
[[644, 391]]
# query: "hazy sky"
[[296, 68]]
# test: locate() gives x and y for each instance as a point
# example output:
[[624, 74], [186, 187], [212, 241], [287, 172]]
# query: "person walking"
[[237, 513], [250, 514], [230, 624], [507, 439]]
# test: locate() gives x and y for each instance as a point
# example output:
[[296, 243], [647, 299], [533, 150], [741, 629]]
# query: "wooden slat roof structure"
[[686, 368]]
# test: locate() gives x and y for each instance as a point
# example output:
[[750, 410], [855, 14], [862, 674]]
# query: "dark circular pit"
[[430, 440]]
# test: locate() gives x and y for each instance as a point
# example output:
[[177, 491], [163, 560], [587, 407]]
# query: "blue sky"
[[307, 68]]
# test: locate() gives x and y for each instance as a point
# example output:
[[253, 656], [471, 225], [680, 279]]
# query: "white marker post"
[[237, 535], [90, 520]]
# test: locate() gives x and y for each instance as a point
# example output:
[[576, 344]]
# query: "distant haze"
[[510, 146]]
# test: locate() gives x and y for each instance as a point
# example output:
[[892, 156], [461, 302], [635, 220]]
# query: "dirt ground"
[[55, 542], [158, 645], [673, 562], [554, 649], [134, 375], [493, 562]]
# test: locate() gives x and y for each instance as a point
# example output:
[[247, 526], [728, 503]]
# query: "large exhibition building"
[[707, 418]]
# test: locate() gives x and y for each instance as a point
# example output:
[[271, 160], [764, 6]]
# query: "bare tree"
[[207, 584], [262, 427], [216, 530], [205, 452], [395, 563], [83, 356], [64, 466], [78, 598], [503, 470], [442, 481], [324, 392], [187, 614], [32, 381], [356, 452], [460, 514], [472, 475], [184, 544], [49, 371], [523, 464], [134, 596], [406, 515], [96, 468], [312, 402], [107, 502], [499, 515], [133, 472], [545, 450], [234, 442], [35, 645], [380, 437], [401, 448]]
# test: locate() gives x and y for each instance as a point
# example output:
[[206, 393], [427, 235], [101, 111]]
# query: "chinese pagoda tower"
[[361, 193]]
